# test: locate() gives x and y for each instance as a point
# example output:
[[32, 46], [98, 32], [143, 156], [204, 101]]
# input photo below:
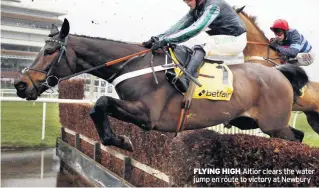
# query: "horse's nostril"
[[20, 86]]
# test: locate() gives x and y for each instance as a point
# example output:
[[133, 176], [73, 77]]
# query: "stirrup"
[[174, 80]]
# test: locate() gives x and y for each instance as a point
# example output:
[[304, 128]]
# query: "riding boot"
[[197, 57]]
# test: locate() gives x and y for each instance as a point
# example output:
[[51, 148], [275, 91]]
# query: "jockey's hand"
[[148, 44], [272, 39], [274, 45], [159, 44]]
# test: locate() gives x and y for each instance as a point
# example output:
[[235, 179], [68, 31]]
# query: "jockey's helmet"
[[280, 24]]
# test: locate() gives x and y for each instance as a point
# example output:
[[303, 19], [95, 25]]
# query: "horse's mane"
[[253, 20], [106, 39]]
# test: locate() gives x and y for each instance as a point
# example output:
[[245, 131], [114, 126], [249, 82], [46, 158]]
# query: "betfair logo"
[[217, 93]]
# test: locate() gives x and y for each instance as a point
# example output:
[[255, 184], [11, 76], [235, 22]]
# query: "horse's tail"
[[296, 75]]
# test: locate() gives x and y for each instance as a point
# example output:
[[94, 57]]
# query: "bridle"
[[49, 78]]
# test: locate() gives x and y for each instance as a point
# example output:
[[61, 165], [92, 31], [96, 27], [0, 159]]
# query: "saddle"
[[183, 55], [215, 77]]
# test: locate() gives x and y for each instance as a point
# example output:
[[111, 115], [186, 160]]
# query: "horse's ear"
[[65, 29], [239, 10], [54, 30]]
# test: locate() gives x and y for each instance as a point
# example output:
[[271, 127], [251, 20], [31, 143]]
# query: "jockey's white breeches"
[[219, 46]]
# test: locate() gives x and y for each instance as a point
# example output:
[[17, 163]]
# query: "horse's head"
[[49, 65]]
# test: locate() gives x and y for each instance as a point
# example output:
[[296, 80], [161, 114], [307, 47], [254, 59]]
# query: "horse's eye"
[[48, 51]]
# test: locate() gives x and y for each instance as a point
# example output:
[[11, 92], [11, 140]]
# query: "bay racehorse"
[[261, 93], [257, 51]]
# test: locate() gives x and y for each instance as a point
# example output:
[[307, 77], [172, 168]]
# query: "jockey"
[[288, 42], [211, 27]]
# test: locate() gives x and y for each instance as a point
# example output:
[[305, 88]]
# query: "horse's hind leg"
[[273, 118], [274, 111], [287, 133], [313, 120], [133, 112], [298, 134], [277, 127]]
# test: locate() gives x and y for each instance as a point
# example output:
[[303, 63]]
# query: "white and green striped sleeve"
[[209, 15], [184, 22]]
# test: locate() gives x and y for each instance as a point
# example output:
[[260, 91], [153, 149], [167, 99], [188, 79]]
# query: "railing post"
[[63, 134], [97, 152], [99, 88], [295, 119], [77, 140], [43, 119], [127, 168], [92, 87]]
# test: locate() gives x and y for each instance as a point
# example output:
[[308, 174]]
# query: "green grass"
[[21, 124], [311, 137]]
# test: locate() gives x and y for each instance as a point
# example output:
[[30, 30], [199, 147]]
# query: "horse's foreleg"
[[130, 111]]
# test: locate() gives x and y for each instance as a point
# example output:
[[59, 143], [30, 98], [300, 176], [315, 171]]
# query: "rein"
[[126, 58], [57, 59], [107, 64], [268, 59], [258, 43]]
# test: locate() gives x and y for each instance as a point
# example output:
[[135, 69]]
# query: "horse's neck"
[[259, 46], [255, 35], [94, 52]]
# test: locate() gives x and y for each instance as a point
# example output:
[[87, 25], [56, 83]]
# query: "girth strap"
[[141, 72]]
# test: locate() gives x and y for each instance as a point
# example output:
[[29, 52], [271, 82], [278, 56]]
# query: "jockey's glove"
[[148, 44], [274, 45], [159, 44], [272, 39]]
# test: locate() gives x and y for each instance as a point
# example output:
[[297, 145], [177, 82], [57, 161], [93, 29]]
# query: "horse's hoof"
[[126, 143]]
